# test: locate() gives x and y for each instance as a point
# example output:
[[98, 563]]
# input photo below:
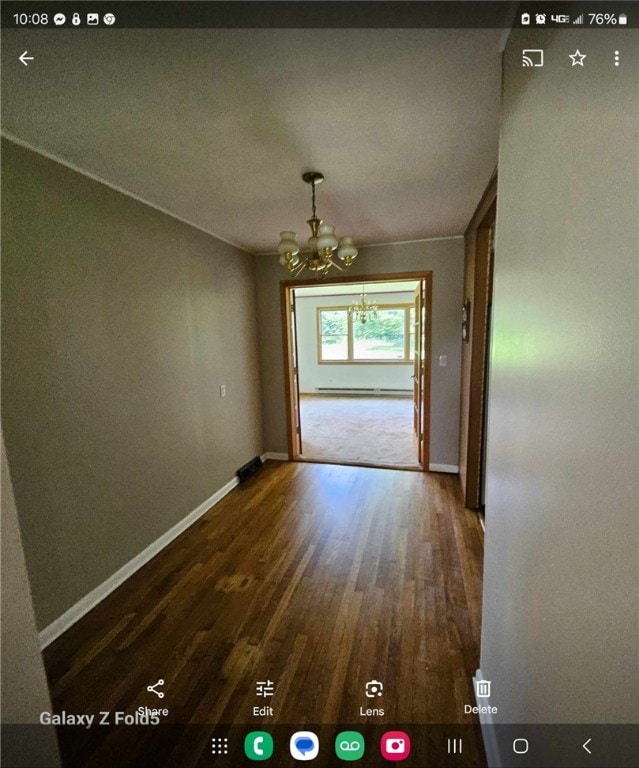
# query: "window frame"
[[408, 352]]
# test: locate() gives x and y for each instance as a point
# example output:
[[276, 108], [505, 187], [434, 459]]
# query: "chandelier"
[[322, 243], [363, 310]]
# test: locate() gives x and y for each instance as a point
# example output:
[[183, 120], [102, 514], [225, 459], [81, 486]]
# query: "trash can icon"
[[482, 689]]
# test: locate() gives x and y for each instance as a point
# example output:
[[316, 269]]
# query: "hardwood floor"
[[316, 577]]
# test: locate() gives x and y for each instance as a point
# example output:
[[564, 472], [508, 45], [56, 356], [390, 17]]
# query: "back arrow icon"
[[24, 58], [585, 746]]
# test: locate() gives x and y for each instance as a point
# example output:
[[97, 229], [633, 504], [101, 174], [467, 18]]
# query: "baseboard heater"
[[364, 391], [249, 469]]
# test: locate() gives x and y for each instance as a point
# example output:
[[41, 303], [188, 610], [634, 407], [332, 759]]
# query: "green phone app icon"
[[349, 745], [258, 745]]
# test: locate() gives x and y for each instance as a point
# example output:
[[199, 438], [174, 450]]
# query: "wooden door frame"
[[287, 285], [479, 293]]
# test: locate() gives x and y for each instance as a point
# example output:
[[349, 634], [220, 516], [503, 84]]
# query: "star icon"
[[577, 58]]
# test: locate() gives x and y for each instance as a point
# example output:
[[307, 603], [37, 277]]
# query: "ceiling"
[[216, 126], [372, 288]]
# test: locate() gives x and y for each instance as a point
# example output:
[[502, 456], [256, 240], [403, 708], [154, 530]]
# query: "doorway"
[[358, 382]]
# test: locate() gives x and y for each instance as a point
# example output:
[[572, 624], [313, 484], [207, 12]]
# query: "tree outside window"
[[385, 338]]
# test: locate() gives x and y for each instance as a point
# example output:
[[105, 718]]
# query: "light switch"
[[222, 390], [443, 361]]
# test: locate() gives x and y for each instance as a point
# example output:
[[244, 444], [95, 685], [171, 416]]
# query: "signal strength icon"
[[579, 19]]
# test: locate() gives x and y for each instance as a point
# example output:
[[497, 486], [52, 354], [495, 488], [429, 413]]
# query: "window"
[[333, 334], [388, 338]]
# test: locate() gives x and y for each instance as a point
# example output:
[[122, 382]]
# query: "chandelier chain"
[[313, 186]]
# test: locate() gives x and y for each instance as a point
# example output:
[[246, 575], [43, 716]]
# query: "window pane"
[[335, 348], [380, 338], [333, 322], [333, 333]]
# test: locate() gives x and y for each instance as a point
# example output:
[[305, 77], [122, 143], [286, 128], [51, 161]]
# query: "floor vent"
[[249, 469]]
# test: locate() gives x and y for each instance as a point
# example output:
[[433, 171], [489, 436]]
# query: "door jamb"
[[479, 293], [287, 285]]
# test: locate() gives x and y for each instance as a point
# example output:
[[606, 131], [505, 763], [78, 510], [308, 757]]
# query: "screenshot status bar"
[[316, 14]]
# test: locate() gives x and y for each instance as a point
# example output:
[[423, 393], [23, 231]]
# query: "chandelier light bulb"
[[326, 240], [346, 250], [288, 243]]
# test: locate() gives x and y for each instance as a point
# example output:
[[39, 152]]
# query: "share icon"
[[151, 689]]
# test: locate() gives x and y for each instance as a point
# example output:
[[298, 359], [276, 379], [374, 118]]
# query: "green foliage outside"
[[380, 337], [387, 326], [334, 325]]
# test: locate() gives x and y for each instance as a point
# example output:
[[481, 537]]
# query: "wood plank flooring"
[[316, 577]]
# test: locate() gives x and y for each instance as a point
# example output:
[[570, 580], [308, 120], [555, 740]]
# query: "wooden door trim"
[[287, 285], [479, 294], [285, 303], [383, 277], [427, 354]]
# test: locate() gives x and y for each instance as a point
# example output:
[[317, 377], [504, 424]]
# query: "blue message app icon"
[[304, 745]]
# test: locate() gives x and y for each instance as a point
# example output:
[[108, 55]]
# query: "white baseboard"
[[77, 611], [274, 456], [452, 468], [493, 757]]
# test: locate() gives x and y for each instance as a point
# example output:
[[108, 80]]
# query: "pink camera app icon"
[[395, 745]]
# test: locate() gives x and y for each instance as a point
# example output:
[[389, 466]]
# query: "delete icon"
[[93, 19], [482, 689]]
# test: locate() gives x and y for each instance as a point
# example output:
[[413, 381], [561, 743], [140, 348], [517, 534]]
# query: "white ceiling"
[[371, 287], [216, 126]]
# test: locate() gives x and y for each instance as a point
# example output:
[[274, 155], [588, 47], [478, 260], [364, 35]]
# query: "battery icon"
[[623, 19]]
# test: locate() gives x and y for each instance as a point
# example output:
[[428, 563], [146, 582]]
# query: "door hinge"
[[298, 430]]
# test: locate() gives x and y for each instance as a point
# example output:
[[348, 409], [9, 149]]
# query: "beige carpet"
[[376, 430]]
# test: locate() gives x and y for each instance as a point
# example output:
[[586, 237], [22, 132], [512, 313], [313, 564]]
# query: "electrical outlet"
[[222, 390], [443, 361]]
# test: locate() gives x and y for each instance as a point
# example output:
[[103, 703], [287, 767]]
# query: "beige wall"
[[24, 685], [445, 258], [559, 629], [118, 326]]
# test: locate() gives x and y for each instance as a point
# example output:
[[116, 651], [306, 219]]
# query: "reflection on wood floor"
[[373, 430], [316, 577]]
